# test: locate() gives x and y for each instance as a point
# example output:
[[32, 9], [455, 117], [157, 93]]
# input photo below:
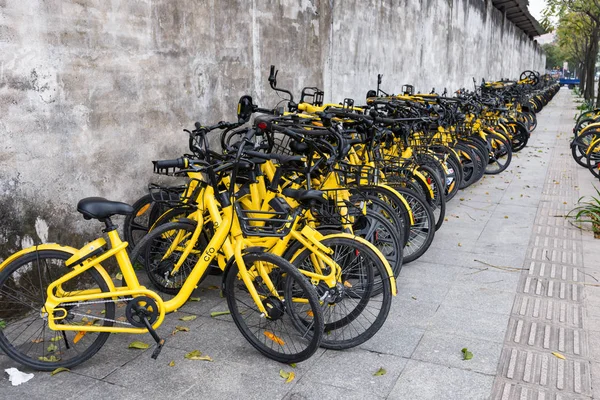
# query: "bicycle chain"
[[78, 304]]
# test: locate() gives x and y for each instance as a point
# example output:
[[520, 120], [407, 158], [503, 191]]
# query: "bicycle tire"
[[23, 291], [305, 335], [364, 295], [150, 253]]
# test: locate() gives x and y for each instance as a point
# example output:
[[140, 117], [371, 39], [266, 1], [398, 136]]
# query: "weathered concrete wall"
[[92, 90], [426, 43]]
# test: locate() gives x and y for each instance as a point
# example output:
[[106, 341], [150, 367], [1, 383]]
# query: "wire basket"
[[341, 208], [264, 223], [281, 145], [356, 175], [175, 196]]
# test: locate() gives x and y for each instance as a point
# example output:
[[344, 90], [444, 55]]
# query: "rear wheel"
[[24, 333], [359, 304]]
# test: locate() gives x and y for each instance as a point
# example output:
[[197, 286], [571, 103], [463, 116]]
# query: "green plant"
[[585, 106], [587, 211]]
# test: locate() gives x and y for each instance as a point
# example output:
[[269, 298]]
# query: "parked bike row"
[[585, 145], [308, 213]]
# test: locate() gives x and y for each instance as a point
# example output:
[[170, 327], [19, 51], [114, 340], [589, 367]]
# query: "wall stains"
[[92, 92]]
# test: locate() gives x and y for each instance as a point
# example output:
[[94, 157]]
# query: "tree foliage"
[[577, 26]]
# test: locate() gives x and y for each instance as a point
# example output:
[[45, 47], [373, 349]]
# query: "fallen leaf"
[[180, 329], [172, 364], [506, 217], [56, 338], [380, 372], [118, 276], [213, 287], [219, 313], [288, 376], [52, 348], [39, 340], [194, 299], [49, 359], [59, 370], [459, 245], [462, 199], [197, 355], [467, 355], [293, 365], [138, 345], [274, 338], [413, 297], [188, 318], [558, 355]]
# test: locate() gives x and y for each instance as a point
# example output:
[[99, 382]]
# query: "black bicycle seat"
[[100, 208]]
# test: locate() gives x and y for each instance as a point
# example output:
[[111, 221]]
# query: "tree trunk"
[[591, 66], [581, 75]]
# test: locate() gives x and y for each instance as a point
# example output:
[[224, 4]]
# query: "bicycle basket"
[[339, 209], [281, 145], [175, 196], [356, 175], [264, 223]]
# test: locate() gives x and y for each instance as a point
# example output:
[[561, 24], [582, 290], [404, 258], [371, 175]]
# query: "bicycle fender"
[[54, 246], [388, 268], [402, 199]]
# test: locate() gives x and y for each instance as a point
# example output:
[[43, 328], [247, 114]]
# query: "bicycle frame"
[[132, 286]]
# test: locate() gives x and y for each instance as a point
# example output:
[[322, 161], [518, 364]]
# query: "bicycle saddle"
[[100, 208], [304, 196]]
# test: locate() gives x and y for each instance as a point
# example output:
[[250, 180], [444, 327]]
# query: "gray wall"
[[92, 90]]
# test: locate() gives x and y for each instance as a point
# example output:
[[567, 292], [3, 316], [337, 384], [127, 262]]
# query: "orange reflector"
[[274, 338], [143, 210], [310, 313], [80, 334], [347, 284]]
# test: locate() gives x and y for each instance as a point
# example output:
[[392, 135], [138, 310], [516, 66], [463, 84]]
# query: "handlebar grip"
[[258, 154], [180, 162]]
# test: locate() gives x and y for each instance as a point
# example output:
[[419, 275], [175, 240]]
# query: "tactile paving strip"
[[547, 315]]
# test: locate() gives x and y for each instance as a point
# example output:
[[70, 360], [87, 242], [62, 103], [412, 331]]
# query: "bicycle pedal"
[[158, 349]]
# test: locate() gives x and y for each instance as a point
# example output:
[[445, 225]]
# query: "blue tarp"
[[569, 81]]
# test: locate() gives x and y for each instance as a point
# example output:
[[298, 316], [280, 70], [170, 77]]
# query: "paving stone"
[[430, 272], [424, 290], [417, 382], [476, 324], [446, 349], [44, 386], [310, 390], [395, 338], [105, 390], [412, 312], [470, 296], [354, 369]]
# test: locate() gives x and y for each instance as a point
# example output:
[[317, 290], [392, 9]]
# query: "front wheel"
[[293, 329], [356, 308], [24, 333]]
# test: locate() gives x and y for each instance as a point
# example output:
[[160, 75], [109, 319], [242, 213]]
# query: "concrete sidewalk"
[[459, 294]]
